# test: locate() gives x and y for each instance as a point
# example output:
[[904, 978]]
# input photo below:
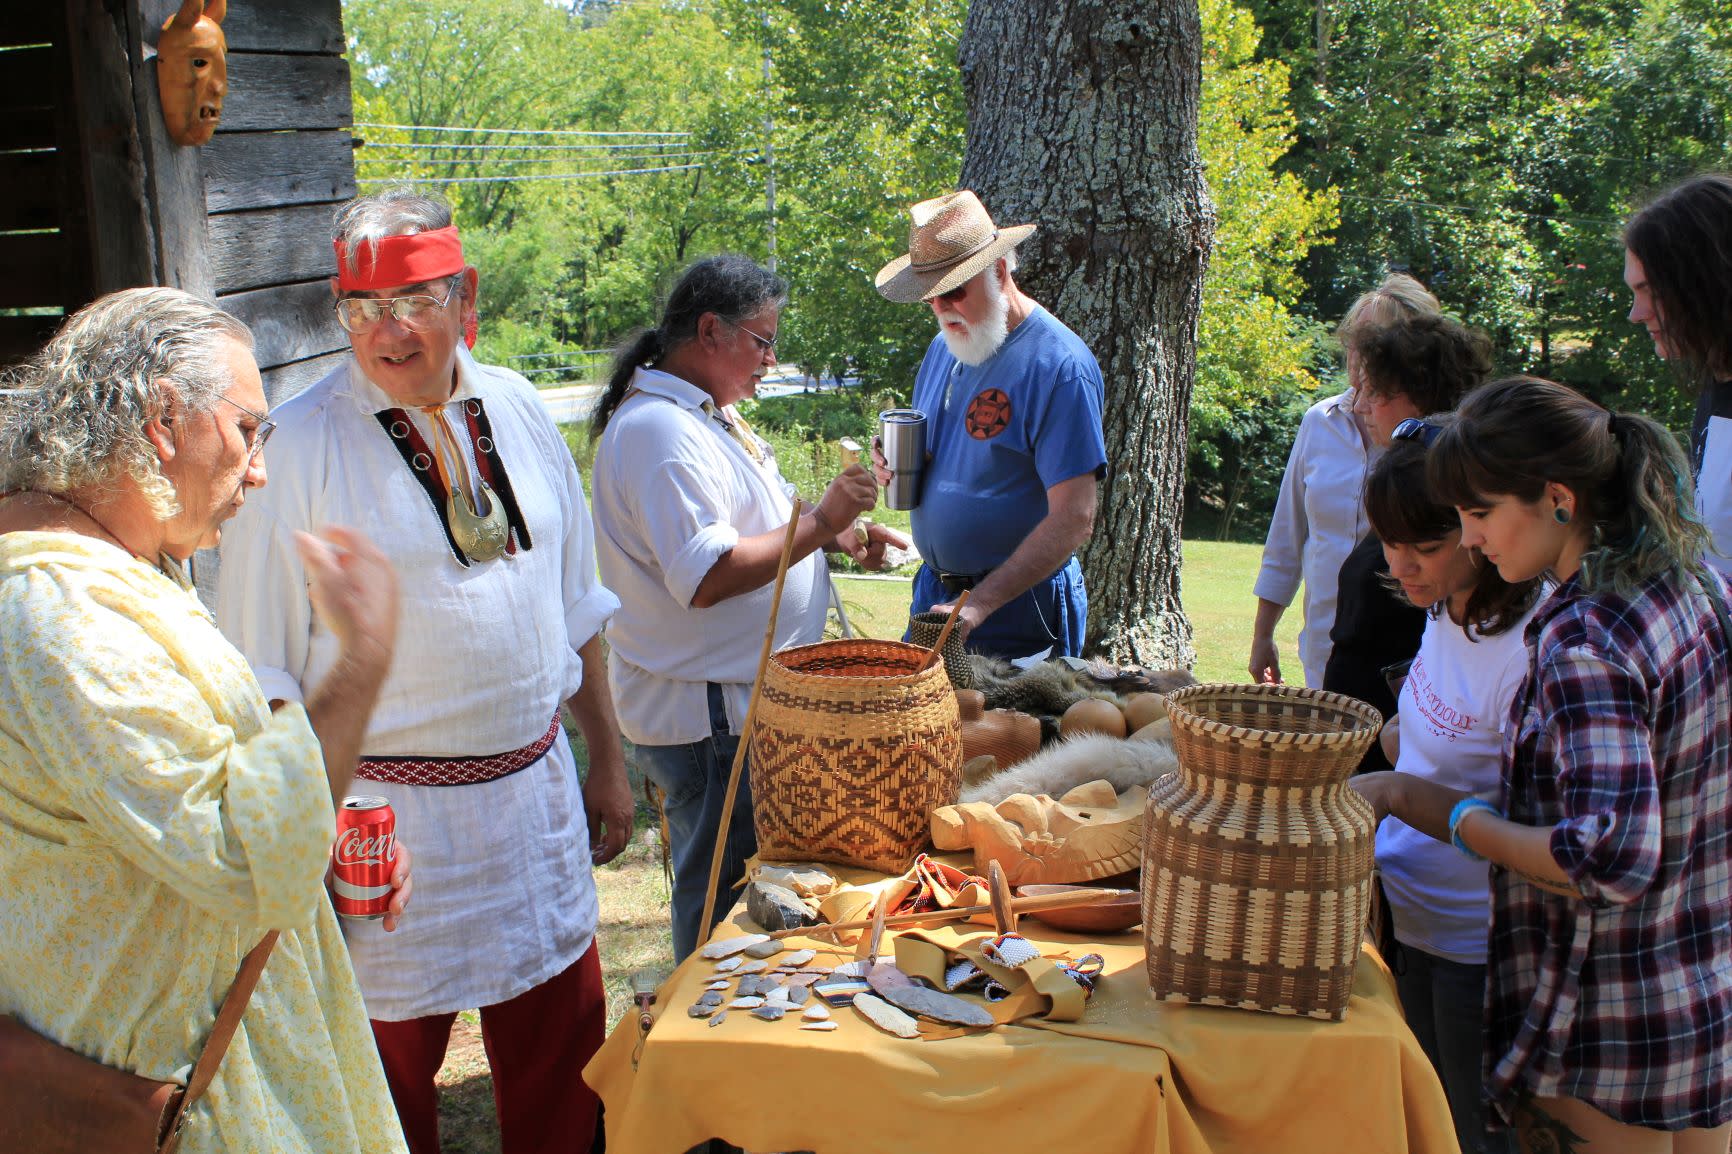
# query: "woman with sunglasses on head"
[[1609, 980], [1412, 368], [1471, 660]]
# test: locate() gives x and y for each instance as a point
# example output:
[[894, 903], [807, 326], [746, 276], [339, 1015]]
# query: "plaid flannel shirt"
[[1621, 741]]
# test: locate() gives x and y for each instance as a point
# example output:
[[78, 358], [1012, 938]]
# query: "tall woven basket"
[[855, 743], [1257, 856]]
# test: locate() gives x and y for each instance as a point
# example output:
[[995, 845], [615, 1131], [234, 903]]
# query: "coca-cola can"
[[365, 854]]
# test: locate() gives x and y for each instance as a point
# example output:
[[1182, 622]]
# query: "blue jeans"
[[1445, 1006], [694, 781]]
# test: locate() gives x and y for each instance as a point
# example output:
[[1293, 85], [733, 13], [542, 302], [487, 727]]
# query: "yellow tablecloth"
[[1136, 1074]]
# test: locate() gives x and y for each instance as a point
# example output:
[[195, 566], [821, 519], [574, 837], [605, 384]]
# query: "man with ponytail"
[[1609, 976], [457, 471], [1678, 266], [691, 513]]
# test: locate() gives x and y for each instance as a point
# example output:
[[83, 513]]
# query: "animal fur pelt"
[[1064, 765], [1051, 687]]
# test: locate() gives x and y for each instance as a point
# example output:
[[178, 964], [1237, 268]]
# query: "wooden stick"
[[949, 624], [1029, 905], [704, 925]]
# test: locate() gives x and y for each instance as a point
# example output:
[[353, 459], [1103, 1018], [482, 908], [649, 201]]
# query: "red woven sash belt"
[[456, 770]]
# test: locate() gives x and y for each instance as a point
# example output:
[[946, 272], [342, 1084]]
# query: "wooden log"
[[275, 91], [292, 322], [107, 219], [174, 174], [39, 261], [26, 78], [286, 381], [262, 169], [285, 26], [250, 250], [29, 194]]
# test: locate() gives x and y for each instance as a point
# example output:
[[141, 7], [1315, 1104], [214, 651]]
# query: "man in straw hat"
[[1013, 437], [455, 469]]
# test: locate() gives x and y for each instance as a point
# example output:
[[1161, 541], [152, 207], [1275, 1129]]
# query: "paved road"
[[569, 404]]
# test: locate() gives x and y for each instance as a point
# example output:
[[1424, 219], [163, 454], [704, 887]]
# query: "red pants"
[[537, 1046]]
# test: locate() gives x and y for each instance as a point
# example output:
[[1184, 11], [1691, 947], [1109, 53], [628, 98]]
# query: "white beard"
[[977, 345]]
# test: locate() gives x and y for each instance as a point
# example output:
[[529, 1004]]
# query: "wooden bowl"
[[1113, 917]]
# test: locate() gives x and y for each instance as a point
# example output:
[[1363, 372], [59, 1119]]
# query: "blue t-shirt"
[[1000, 434]]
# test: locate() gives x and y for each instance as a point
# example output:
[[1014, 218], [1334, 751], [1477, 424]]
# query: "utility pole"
[[769, 152]]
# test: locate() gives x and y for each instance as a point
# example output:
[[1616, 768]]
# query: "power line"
[[507, 131], [455, 146], [492, 160], [514, 179]]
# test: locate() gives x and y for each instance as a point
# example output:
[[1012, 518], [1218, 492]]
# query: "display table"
[[1135, 1074]]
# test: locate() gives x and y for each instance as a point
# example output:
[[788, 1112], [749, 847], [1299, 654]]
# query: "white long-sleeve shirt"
[[485, 656], [1319, 517], [674, 491]]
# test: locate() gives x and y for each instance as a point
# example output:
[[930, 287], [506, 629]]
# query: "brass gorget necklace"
[[478, 523]]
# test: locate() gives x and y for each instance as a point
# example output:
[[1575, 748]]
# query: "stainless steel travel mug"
[[902, 432]]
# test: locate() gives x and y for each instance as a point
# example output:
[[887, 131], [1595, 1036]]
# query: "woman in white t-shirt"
[[1472, 658]]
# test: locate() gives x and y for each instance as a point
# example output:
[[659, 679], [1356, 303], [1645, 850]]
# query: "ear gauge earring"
[[1561, 515]]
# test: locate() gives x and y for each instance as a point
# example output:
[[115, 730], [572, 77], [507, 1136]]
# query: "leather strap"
[[228, 1020]]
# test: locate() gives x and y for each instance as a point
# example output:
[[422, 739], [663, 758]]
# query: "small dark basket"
[[923, 630]]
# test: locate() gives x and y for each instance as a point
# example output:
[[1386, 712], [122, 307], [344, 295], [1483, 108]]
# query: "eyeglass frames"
[[768, 343], [1415, 429], [415, 312], [259, 433]]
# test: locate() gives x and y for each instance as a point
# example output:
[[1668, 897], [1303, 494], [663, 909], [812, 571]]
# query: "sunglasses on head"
[[1414, 429]]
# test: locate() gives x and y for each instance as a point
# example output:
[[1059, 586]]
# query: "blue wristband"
[[1462, 808]]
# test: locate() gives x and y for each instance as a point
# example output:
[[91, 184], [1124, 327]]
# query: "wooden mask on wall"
[[192, 71]]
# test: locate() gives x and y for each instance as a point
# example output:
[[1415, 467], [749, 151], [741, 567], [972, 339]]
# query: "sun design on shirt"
[[988, 414]]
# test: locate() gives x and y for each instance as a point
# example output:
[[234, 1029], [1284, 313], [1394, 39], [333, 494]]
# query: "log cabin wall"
[[282, 159], [95, 197]]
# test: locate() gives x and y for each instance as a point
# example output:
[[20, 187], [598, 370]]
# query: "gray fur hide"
[[1064, 765]]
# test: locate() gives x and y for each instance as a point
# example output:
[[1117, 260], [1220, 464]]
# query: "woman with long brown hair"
[[1609, 981]]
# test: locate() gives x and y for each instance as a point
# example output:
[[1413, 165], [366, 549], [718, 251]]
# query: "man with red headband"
[[455, 469]]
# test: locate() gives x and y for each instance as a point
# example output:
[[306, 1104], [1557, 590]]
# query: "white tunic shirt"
[[1319, 517], [674, 491], [485, 655]]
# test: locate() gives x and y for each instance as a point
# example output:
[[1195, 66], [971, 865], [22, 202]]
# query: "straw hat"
[[950, 241]]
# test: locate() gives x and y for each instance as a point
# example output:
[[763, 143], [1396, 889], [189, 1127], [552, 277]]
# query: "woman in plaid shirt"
[[1609, 977]]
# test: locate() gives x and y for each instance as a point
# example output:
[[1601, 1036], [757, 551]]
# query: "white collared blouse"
[[674, 491], [1319, 518]]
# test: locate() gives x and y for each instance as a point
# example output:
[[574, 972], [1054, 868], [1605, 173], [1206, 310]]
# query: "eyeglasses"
[[954, 295], [1414, 429], [260, 433], [416, 312], [766, 342]]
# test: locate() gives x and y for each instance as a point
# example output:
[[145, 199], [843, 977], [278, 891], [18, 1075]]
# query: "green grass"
[[1216, 589]]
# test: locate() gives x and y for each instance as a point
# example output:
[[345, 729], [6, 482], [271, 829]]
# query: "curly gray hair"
[[73, 416], [397, 211]]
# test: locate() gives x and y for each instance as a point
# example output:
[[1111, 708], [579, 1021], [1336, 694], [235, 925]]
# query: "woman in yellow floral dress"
[[156, 817]]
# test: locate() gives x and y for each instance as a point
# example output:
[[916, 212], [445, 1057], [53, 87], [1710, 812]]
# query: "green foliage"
[[1255, 371], [1493, 148]]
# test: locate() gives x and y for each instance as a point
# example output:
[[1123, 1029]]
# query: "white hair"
[[397, 211], [982, 339], [1010, 261], [73, 417]]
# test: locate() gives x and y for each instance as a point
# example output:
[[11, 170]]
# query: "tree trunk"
[[1082, 118]]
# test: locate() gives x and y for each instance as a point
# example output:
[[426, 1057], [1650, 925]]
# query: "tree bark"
[[1082, 118]]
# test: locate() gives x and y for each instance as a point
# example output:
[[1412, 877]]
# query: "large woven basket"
[[855, 743], [1257, 856]]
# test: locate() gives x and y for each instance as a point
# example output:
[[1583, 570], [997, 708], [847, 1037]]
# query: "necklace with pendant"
[[478, 524]]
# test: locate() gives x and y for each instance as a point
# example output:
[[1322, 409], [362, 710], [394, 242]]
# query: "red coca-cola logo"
[[356, 848]]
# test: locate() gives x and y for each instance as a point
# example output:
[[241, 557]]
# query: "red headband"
[[413, 258]]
